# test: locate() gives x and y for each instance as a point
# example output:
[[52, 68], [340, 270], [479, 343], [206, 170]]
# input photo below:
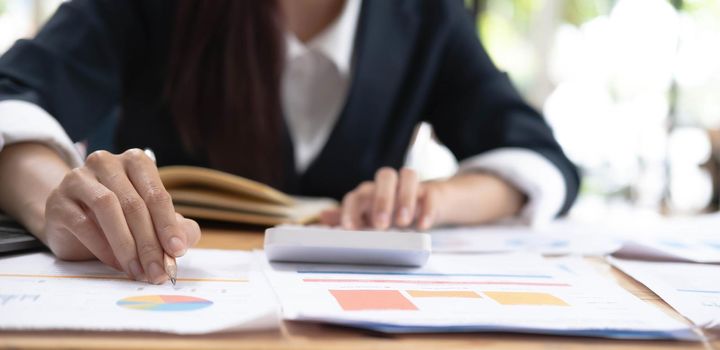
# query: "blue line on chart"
[[393, 273], [699, 291]]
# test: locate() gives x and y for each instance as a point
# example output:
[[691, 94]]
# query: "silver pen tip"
[[173, 280]]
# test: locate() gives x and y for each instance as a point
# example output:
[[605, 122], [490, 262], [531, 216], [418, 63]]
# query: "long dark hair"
[[223, 85]]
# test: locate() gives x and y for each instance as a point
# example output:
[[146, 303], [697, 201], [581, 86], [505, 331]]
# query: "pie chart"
[[164, 303]]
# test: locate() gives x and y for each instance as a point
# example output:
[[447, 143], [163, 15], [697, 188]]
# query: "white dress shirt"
[[314, 87], [316, 81]]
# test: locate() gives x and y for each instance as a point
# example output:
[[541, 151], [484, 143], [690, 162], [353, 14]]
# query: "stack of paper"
[[463, 293], [226, 290], [693, 240], [557, 238], [692, 289], [216, 291], [673, 248], [682, 246]]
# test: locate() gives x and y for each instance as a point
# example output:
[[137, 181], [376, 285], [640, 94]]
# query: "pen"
[[168, 261], [170, 268]]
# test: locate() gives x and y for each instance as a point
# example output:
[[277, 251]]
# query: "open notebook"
[[203, 193]]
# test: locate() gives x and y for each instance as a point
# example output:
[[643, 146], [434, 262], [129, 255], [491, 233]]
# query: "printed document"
[[558, 238], [217, 290], [471, 293], [691, 289]]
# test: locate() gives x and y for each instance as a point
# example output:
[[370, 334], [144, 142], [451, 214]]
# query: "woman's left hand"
[[399, 199]]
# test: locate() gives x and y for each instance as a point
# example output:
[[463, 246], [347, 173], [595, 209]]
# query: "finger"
[[384, 198], [351, 218], [330, 217], [110, 172], [105, 209], [77, 225], [406, 197], [356, 208], [191, 229], [428, 208], [143, 174]]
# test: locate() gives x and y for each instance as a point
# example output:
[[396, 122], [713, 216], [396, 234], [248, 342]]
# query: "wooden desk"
[[314, 336]]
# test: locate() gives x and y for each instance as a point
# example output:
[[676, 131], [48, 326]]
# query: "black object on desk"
[[14, 237]]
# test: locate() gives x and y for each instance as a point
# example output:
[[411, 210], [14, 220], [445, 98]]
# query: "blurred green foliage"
[[520, 12], [708, 7], [2, 6], [506, 27], [578, 12]]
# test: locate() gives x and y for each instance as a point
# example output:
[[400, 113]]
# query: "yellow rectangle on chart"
[[443, 294], [525, 298]]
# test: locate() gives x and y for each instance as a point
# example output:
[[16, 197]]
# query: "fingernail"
[[382, 219], [136, 270], [404, 216], [177, 246], [426, 223], [157, 273], [346, 223]]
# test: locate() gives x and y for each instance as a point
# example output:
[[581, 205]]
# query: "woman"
[[315, 97]]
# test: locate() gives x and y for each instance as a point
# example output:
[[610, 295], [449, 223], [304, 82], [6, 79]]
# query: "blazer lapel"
[[385, 38]]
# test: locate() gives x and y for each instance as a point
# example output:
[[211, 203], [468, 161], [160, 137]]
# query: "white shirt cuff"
[[22, 121], [531, 173]]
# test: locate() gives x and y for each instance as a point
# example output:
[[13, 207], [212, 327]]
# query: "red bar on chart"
[[359, 300]]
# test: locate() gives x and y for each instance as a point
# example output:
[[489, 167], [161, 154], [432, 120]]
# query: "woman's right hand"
[[115, 208]]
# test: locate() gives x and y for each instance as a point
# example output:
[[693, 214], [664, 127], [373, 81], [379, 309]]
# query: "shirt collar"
[[336, 42]]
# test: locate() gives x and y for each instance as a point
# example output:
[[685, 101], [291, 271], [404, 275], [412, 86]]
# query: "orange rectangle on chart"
[[359, 300], [525, 298], [443, 294]]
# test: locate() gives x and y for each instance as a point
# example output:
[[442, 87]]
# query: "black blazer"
[[414, 61]]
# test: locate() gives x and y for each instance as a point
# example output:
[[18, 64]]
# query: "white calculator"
[[319, 244]]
